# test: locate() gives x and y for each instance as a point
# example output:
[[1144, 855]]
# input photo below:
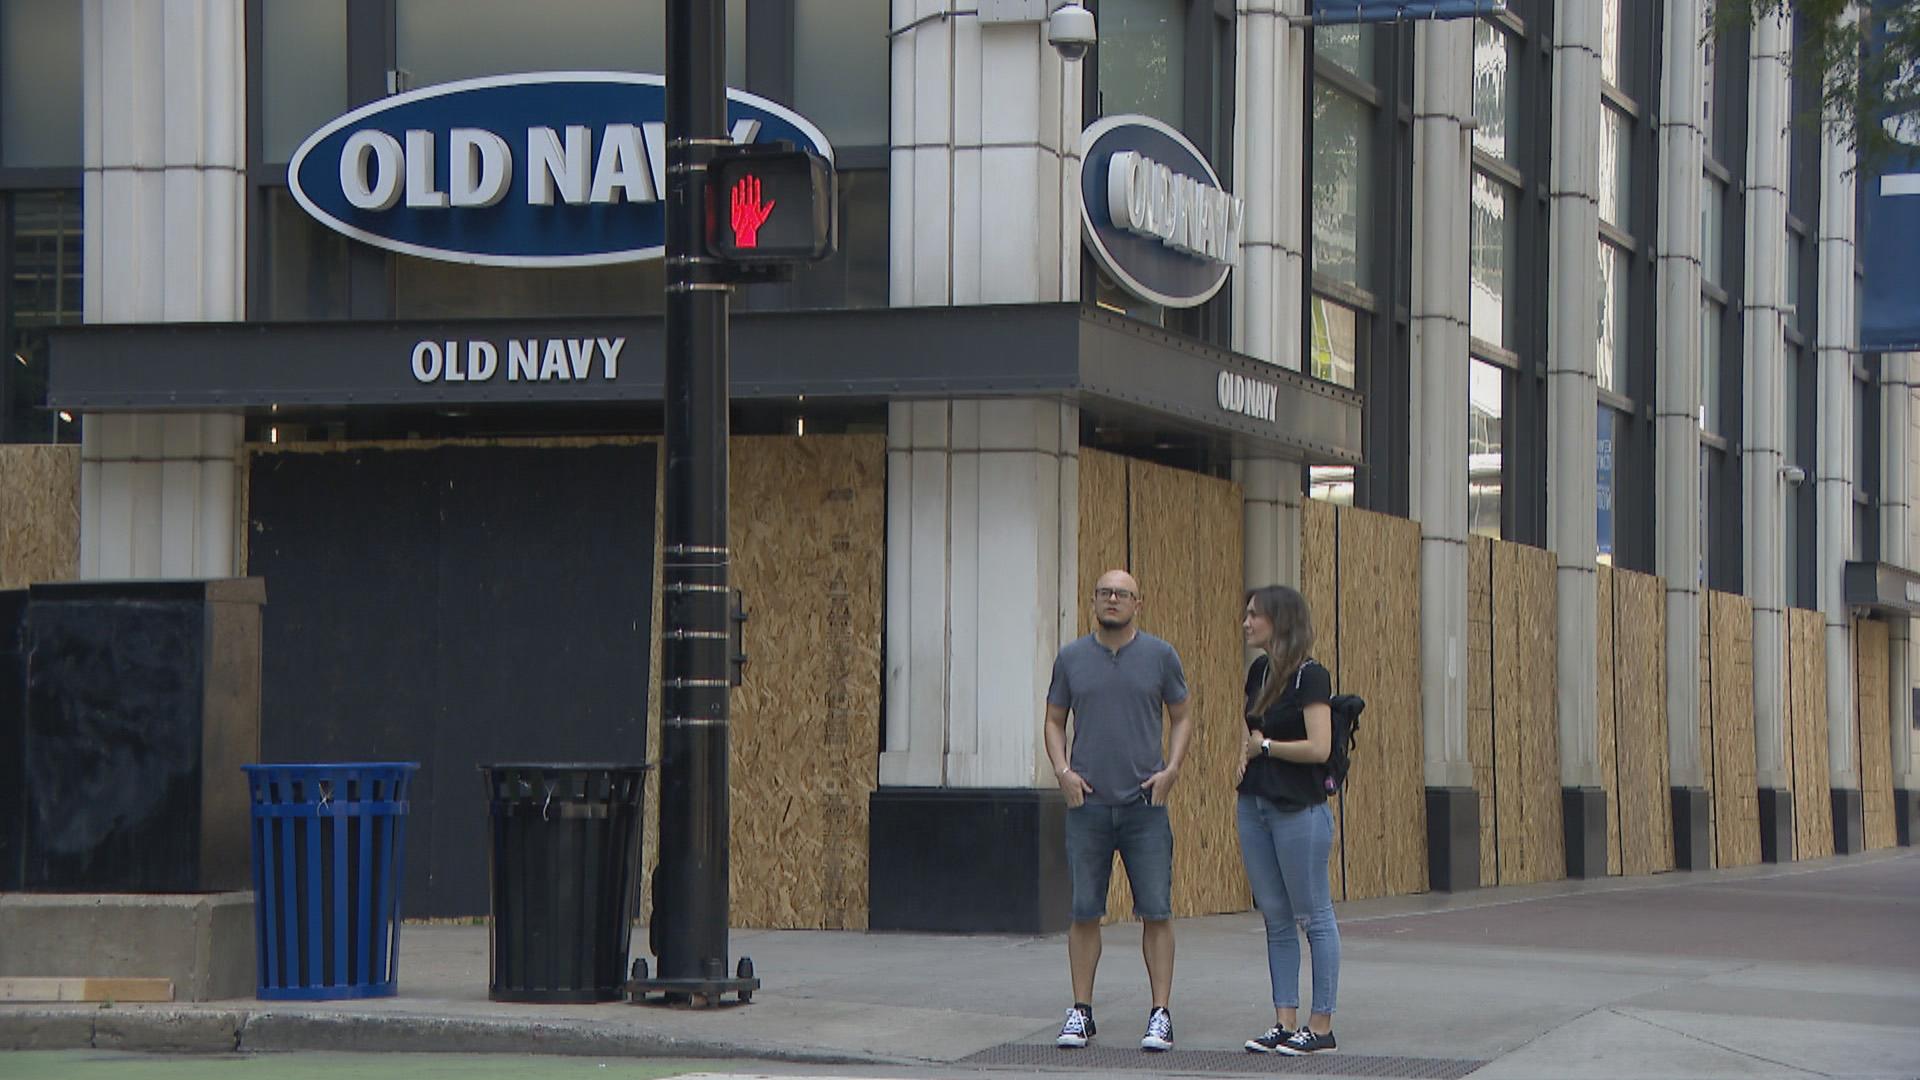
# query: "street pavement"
[[1805, 970]]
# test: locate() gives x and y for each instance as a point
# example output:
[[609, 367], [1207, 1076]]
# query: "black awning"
[[1105, 362], [1882, 587]]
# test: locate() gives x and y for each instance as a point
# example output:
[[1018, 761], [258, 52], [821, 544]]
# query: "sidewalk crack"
[[1719, 1046]]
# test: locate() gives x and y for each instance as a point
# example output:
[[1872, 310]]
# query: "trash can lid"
[[568, 766]]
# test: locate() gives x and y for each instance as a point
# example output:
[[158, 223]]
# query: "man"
[[1114, 682]]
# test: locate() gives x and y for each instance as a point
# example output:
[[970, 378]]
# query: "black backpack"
[[1346, 730]]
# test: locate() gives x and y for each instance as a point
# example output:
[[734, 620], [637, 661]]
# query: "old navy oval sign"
[[549, 169], [1155, 215]]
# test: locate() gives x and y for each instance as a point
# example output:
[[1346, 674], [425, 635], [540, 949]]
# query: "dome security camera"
[[1070, 31]]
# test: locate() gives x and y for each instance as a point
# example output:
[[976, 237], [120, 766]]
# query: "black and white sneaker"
[[1304, 1042], [1270, 1042], [1077, 1029], [1159, 1034]]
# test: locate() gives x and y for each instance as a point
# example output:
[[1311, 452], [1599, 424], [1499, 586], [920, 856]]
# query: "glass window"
[[431, 289], [1494, 261], [1496, 107], [1713, 217], [1342, 184], [855, 276], [1711, 417], [45, 291], [1611, 42], [1484, 467], [1610, 361], [442, 40], [1709, 49], [1350, 46], [40, 94], [1706, 537], [1603, 485], [303, 72], [840, 77], [1795, 244], [1331, 483], [306, 264], [1615, 138], [1336, 340], [1143, 58]]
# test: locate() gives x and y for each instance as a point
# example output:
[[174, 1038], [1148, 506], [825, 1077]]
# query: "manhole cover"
[[1100, 1059]]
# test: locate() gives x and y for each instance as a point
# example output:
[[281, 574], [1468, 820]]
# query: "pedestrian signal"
[[771, 205]]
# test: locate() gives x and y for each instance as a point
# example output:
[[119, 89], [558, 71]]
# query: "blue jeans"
[[1286, 853], [1143, 835]]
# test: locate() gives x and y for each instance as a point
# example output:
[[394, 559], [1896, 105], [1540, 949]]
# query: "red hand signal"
[[748, 212]]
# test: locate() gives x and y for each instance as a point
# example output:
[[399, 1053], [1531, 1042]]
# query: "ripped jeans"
[[1286, 854]]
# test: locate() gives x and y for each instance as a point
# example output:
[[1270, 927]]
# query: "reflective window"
[[303, 72], [1484, 474], [1709, 49], [442, 40], [1603, 485], [1792, 271], [840, 77], [1336, 342], [1713, 217], [1616, 133], [1143, 58], [1706, 537], [44, 291], [1710, 407], [1492, 314], [1331, 483], [1496, 106], [1610, 360], [1611, 43], [1342, 184], [40, 93], [306, 264], [1349, 45]]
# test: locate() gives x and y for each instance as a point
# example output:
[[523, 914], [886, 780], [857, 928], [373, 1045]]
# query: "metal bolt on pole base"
[[697, 993]]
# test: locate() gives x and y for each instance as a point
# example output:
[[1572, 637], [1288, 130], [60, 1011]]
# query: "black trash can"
[[564, 870]]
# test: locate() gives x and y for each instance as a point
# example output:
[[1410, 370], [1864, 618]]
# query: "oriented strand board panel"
[[1185, 537], [1527, 808], [1604, 695], [1383, 811], [1807, 690], [1736, 792], [39, 514], [1319, 583], [1480, 695], [1876, 750], [1706, 723], [808, 531], [1645, 804], [1103, 523]]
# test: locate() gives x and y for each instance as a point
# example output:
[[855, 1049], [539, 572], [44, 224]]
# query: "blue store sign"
[[548, 169], [1155, 215]]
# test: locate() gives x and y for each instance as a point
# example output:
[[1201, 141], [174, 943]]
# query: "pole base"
[[693, 993]]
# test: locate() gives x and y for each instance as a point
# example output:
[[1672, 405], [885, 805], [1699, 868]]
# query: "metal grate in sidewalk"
[[1101, 1059]]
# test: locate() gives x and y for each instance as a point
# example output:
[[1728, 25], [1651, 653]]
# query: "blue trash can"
[[327, 847]]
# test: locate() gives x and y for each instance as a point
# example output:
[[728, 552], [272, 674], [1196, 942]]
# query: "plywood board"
[[39, 514], [1640, 689], [1384, 803], [1807, 690], [1480, 695], [109, 990], [1871, 700], [1527, 804], [1319, 583], [1103, 523], [1605, 693], [809, 539], [1736, 794], [1706, 724]]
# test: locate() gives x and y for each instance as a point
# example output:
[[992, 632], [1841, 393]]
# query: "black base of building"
[[1584, 816], [1776, 825], [984, 861], [1849, 822], [1906, 815], [1453, 839], [1692, 839]]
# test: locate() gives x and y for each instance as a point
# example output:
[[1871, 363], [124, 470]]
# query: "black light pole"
[[691, 892]]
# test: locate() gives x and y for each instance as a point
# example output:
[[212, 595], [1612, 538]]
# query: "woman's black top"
[[1293, 785]]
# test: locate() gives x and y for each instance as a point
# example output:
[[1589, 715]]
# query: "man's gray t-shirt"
[[1115, 698]]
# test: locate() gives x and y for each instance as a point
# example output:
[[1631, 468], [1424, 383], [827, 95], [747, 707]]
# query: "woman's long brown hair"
[[1292, 623]]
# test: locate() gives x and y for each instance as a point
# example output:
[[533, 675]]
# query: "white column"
[[164, 93], [1899, 445], [986, 133], [981, 575], [1442, 187], [1573, 270], [1677, 390], [1270, 515], [1269, 159], [1764, 437], [1838, 334]]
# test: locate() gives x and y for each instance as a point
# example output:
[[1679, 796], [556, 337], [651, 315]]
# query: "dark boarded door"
[[454, 606]]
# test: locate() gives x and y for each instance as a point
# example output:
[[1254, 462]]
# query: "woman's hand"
[[1252, 748]]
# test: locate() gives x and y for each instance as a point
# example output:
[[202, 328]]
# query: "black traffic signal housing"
[[770, 204]]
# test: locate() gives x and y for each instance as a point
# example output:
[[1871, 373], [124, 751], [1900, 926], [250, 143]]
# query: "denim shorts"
[[1143, 835]]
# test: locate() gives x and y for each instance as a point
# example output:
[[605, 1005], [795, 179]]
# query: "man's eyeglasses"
[[1115, 594]]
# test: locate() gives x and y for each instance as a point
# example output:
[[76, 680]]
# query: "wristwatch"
[[1266, 746]]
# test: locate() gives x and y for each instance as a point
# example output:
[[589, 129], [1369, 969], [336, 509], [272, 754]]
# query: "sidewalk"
[[1800, 970]]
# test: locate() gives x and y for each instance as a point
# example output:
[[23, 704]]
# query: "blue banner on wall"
[[1890, 223], [1337, 12]]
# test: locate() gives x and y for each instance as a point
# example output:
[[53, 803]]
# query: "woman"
[[1286, 828]]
